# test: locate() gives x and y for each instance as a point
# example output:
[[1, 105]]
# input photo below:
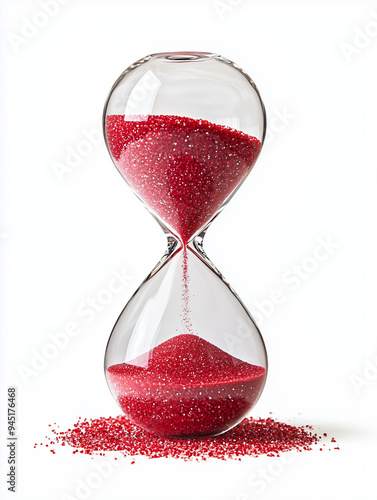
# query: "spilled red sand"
[[252, 437]]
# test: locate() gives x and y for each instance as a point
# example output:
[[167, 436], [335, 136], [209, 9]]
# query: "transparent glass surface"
[[185, 358]]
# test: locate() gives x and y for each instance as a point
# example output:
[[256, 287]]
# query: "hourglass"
[[185, 358]]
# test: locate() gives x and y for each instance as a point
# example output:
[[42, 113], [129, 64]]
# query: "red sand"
[[183, 169], [186, 387], [252, 437]]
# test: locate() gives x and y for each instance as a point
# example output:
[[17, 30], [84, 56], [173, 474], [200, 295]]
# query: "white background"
[[62, 239]]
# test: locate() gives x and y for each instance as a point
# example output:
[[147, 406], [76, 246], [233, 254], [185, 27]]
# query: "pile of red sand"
[[186, 387], [252, 437]]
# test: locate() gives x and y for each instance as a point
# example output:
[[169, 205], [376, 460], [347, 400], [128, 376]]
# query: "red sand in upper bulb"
[[183, 169], [186, 387]]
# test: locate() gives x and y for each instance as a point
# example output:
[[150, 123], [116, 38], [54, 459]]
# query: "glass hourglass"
[[185, 358]]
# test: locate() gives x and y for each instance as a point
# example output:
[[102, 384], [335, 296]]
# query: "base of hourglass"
[[185, 388]]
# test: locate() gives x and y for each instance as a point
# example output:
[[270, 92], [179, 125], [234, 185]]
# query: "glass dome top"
[[202, 85]]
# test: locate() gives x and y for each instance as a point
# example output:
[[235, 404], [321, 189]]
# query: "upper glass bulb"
[[172, 114]]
